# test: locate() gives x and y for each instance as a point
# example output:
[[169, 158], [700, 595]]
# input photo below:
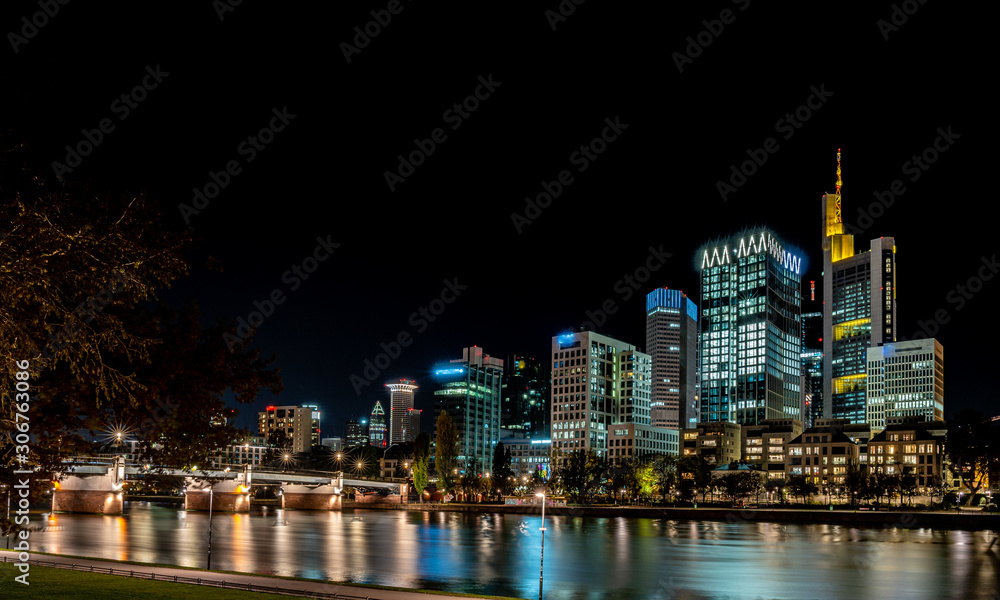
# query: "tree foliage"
[[446, 451], [421, 458], [973, 447]]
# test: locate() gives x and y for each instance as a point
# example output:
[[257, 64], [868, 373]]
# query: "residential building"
[[859, 310], [764, 444], [717, 442], [821, 456], [905, 379], [751, 336], [300, 425], [401, 398], [468, 388], [910, 446], [672, 343]]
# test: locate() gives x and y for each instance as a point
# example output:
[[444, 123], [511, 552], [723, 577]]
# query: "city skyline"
[[567, 181]]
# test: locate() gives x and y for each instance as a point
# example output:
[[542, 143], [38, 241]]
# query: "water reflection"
[[584, 557]]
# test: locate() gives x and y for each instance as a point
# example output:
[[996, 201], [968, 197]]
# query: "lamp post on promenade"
[[541, 562]]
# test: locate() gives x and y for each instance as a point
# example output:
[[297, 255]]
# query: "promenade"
[[258, 583]]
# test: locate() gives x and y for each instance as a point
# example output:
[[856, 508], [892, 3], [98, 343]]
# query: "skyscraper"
[[525, 392], [356, 433], [401, 395], [468, 388], [751, 336], [812, 367], [859, 309], [672, 342], [905, 379], [377, 428]]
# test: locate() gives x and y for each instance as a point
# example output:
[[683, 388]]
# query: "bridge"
[[96, 485]]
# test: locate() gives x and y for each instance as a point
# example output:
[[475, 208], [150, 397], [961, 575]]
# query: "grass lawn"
[[50, 582]]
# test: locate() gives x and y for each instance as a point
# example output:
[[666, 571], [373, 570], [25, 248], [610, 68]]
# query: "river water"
[[585, 557]]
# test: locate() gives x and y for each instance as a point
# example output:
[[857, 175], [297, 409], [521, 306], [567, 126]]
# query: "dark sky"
[[883, 95]]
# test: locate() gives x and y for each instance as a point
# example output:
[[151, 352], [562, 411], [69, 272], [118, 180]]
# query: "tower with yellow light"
[[859, 308]]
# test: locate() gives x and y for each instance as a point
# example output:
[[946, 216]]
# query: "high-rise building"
[[859, 309], [377, 433], [672, 342], [751, 336], [411, 424], [468, 388], [812, 367], [356, 433], [300, 425], [401, 395], [525, 391], [905, 379], [599, 382]]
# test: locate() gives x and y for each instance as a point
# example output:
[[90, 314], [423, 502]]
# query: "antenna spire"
[[839, 182]]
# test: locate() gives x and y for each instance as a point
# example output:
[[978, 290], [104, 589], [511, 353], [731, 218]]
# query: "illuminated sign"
[[566, 338], [451, 371], [541, 441], [754, 244]]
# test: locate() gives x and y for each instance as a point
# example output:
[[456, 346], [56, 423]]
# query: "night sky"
[[684, 111]]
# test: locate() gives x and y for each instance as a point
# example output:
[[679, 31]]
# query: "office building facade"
[[905, 379], [378, 433], [469, 390], [672, 343], [751, 336], [525, 392]]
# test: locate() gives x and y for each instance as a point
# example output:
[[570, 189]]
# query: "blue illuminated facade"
[[672, 342], [751, 330]]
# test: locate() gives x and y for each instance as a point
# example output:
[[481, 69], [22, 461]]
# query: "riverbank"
[[969, 520]]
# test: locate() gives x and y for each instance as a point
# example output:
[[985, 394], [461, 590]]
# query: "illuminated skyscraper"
[[672, 342], [812, 367], [751, 330], [859, 310], [525, 391], [376, 427], [468, 388], [400, 403], [300, 425]]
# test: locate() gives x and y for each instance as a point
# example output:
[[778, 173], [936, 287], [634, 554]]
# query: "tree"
[[801, 487], [856, 481], [502, 471], [72, 260], [581, 473], [970, 450], [696, 475], [421, 457], [665, 473], [446, 450]]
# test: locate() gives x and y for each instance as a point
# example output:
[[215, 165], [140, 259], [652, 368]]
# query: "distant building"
[[717, 442], [525, 393], [529, 456], [751, 330], [377, 433], [401, 397], [905, 379], [812, 367], [672, 344], [628, 440], [334, 443], [468, 389], [301, 425], [356, 433]]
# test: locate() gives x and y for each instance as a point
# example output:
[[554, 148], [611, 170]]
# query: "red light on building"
[[270, 408]]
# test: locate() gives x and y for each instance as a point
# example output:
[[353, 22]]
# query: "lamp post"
[[541, 561], [211, 497]]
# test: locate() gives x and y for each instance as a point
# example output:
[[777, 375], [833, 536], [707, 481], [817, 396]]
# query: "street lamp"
[[211, 495], [541, 561]]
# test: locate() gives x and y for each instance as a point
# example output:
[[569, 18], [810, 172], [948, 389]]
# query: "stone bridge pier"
[[311, 497], [227, 495], [91, 490]]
